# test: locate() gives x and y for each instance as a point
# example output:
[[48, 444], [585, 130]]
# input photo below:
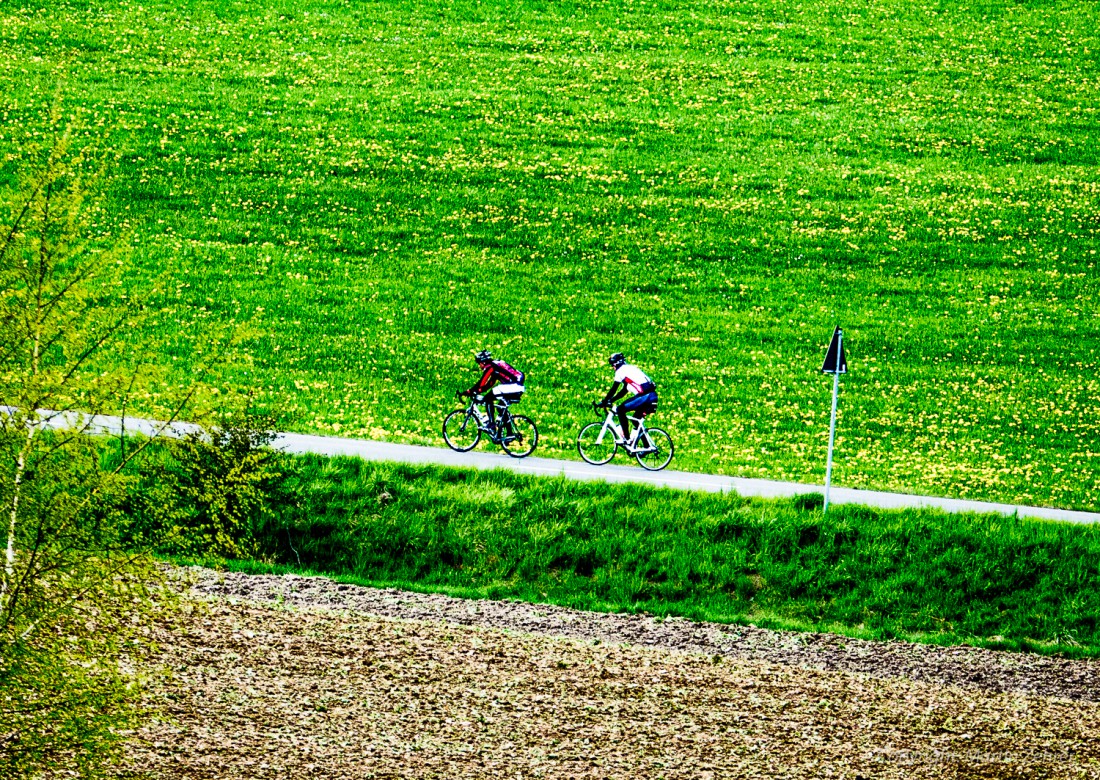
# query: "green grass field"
[[708, 186], [928, 576]]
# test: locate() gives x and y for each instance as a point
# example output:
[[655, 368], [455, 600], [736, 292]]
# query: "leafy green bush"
[[78, 584], [73, 594], [214, 490]]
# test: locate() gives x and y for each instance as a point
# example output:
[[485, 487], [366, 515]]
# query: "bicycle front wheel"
[[596, 454], [657, 450], [461, 431], [520, 436]]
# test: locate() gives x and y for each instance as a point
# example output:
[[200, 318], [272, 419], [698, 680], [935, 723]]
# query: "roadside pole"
[[835, 364]]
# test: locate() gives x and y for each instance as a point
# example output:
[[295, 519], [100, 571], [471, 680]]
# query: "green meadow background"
[[383, 188]]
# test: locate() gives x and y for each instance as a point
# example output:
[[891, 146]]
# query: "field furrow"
[[258, 690]]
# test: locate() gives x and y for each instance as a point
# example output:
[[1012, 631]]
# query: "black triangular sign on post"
[[835, 363]]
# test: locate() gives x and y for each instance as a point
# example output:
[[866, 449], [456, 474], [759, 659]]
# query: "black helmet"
[[616, 360], [484, 356]]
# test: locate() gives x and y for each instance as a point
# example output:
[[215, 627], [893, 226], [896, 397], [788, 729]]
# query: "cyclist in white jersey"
[[630, 379]]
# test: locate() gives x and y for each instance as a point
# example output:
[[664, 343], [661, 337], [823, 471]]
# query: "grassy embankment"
[[987, 580], [710, 187]]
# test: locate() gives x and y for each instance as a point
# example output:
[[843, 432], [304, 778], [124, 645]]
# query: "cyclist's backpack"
[[515, 376]]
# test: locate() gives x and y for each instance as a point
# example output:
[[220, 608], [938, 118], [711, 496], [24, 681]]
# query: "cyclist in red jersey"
[[503, 380]]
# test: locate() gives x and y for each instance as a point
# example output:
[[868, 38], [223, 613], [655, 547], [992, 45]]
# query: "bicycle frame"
[[611, 423], [482, 417]]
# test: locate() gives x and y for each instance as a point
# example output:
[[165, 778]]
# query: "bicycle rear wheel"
[[461, 431], [596, 454], [657, 450], [520, 436]]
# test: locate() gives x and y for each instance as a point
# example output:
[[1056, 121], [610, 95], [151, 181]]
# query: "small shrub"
[[210, 493]]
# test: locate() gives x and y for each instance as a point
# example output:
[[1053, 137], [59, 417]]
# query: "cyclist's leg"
[[506, 395], [642, 404], [496, 405], [624, 419], [491, 410]]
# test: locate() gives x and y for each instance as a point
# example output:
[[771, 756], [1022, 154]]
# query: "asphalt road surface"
[[297, 443]]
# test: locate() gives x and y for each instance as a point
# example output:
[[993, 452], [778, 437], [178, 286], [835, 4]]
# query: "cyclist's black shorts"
[[643, 403], [510, 398]]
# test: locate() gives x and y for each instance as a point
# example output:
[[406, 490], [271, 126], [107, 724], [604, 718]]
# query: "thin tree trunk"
[[21, 459], [9, 555]]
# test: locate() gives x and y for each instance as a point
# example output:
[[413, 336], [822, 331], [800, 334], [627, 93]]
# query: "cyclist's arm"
[[617, 391], [484, 383]]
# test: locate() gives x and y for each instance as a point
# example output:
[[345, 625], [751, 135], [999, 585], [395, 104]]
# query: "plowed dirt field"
[[271, 690]]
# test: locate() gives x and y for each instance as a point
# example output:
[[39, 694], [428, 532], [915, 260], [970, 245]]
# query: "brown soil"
[[260, 691], [985, 670]]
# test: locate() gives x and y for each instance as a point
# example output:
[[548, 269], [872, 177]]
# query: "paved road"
[[681, 480]]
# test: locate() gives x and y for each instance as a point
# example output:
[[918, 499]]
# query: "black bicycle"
[[515, 433]]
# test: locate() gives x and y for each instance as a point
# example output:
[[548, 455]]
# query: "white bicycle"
[[598, 442]]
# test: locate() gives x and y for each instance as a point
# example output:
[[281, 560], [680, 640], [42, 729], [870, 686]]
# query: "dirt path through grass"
[[274, 692]]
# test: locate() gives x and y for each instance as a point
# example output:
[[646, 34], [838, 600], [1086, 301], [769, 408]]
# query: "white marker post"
[[835, 364]]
